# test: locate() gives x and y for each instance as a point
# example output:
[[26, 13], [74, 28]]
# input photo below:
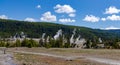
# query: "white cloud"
[[91, 18], [111, 18], [72, 15], [38, 6], [48, 17], [66, 20], [3, 17], [64, 9], [30, 19], [112, 10], [103, 19], [110, 28]]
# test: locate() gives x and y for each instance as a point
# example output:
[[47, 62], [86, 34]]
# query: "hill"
[[36, 29], [9, 28]]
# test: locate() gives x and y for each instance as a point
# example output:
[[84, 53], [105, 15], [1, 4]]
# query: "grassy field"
[[105, 53], [33, 57], [29, 59]]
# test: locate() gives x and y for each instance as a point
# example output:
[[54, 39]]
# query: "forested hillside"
[[8, 28], [36, 29]]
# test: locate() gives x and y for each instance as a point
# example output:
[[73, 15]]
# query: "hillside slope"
[[36, 29]]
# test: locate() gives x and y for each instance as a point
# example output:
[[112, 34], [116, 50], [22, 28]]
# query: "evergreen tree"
[[25, 43], [88, 44], [7, 44], [52, 43], [17, 43], [33, 43]]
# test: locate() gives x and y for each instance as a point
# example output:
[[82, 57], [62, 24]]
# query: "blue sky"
[[103, 14]]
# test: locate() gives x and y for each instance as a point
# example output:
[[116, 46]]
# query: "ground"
[[63, 56]]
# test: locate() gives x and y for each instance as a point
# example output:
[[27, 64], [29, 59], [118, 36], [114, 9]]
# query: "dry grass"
[[28, 59], [105, 53]]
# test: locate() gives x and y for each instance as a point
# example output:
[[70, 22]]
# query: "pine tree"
[[17, 43], [88, 44], [33, 43], [25, 43]]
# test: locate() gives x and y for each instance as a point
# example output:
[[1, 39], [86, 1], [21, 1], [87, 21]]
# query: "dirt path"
[[100, 60], [6, 59]]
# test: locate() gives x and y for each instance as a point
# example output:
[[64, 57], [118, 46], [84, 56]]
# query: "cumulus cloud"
[[64, 9], [103, 19], [38, 6], [110, 28], [112, 18], [48, 17], [91, 18], [112, 10], [66, 20], [72, 15], [30, 19], [3, 17]]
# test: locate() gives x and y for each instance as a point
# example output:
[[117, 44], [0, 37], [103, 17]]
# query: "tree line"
[[59, 44]]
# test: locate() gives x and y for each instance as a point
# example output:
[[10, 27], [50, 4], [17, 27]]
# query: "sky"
[[97, 14]]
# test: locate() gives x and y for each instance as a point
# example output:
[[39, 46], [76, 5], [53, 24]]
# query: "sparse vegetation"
[[34, 59], [31, 59]]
